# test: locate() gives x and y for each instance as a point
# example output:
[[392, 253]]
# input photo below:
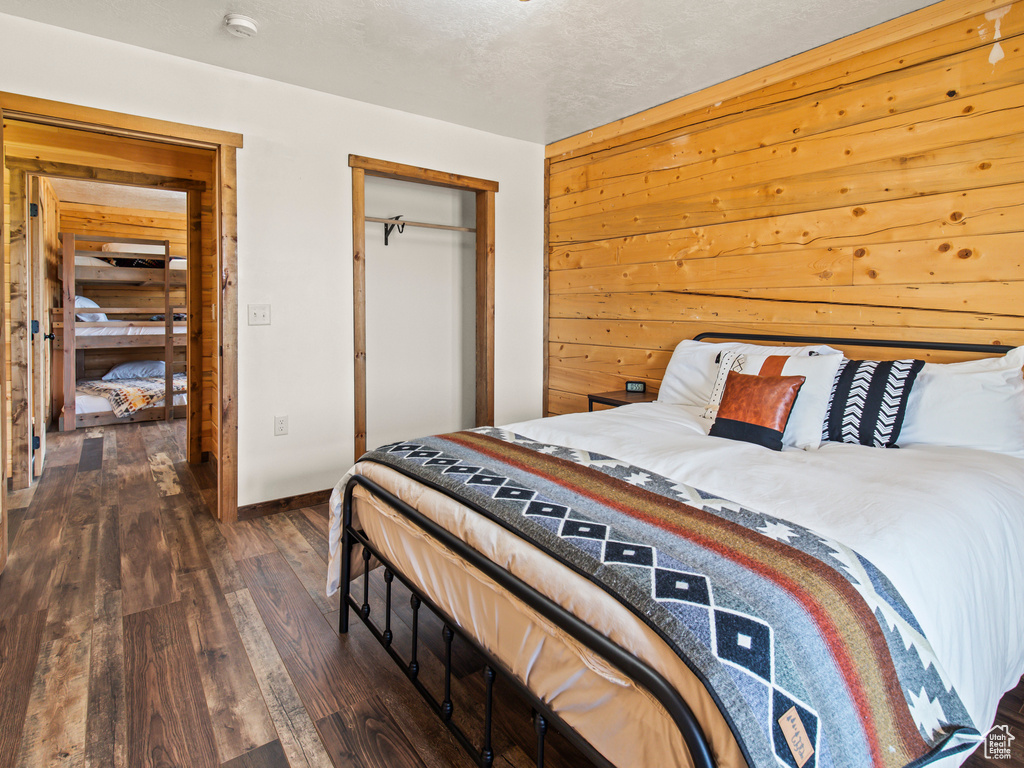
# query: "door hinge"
[[33, 210], [36, 443], [35, 327]]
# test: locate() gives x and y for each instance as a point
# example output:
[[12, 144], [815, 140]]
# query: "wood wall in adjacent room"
[[872, 187]]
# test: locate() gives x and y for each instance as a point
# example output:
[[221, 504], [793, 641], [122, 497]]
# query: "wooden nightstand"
[[620, 397]]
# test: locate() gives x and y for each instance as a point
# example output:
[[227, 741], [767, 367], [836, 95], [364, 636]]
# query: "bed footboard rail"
[[627, 663]]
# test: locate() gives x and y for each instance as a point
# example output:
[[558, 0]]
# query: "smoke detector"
[[240, 26]]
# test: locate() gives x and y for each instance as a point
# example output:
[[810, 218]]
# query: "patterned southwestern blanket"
[[812, 656], [127, 396]]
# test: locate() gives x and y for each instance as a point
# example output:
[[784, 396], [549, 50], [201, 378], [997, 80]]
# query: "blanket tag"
[[796, 737]]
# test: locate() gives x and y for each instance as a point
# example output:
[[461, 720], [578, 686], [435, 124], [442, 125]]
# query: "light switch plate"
[[259, 314]]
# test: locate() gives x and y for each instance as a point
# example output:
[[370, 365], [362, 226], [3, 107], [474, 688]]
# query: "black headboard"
[[985, 349]]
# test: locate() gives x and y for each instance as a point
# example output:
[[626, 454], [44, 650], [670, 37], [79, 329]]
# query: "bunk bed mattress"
[[94, 404], [946, 525], [129, 330]]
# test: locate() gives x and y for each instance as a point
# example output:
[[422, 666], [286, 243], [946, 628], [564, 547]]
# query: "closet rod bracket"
[[389, 228]]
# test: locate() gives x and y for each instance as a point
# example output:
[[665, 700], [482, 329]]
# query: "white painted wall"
[[294, 231], [420, 313]]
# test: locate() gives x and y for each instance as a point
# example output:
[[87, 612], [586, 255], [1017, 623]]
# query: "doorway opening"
[[47, 142]]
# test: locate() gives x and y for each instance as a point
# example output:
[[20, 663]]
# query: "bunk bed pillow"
[[692, 371], [90, 261], [803, 430], [135, 369], [88, 317], [756, 409], [977, 404]]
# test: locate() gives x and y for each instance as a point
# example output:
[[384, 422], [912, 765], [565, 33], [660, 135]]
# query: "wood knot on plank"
[[964, 253], [951, 93], [955, 216], [859, 211], [860, 253], [872, 273], [944, 247], [984, 166]]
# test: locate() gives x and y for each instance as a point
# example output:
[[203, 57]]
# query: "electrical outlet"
[[280, 425], [259, 314]]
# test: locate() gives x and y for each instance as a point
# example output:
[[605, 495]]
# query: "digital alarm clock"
[[636, 386]]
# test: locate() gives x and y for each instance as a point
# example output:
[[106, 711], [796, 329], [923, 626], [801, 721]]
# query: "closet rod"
[[379, 220]]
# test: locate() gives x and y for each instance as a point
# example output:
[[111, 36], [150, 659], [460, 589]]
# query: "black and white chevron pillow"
[[869, 400]]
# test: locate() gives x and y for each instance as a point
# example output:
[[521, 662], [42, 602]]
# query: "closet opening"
[[423, 303]]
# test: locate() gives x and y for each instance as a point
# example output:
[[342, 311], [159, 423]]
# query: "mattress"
[[126, 330], [946, 525], [94, 404]]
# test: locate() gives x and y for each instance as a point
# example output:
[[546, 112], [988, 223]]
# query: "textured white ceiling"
[[538, 70]]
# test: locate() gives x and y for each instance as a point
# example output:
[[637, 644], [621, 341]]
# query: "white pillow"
[[977, 404], [89, 317], [179, 264], [90, 261], [691, 373], [136, 369], [803, 430]]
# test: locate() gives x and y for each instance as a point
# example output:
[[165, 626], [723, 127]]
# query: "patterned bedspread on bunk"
[[809, 651], [127, 396]]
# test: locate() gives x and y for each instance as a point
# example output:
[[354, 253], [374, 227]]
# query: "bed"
[[955, 576], [93, 407], [130, 273]]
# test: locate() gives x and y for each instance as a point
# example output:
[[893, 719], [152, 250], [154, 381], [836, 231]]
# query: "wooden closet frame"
[[224, 144], [485, 191], [71, 276]]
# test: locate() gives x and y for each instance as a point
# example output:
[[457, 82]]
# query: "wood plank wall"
[[8, 373], [65, 151], [878, 194]]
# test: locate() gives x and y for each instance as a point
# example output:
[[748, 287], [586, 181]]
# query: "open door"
[[42, 231]]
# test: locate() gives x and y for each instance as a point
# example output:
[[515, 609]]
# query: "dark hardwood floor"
[[137, 631]]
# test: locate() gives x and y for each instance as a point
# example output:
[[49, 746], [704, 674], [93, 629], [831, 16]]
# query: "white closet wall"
[[420, 313]]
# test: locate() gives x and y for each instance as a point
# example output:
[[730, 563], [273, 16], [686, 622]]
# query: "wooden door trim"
[[194, 309], [225, 144], [3, 383], [227, 374], [17, 106], [485, 238], [384, 169]]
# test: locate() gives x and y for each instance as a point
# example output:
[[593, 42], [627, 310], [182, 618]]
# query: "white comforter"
[[946, 525]]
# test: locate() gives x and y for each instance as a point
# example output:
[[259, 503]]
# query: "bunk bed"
[[130, 263]]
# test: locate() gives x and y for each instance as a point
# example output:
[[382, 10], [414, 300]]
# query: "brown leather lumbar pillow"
[[755, 409]]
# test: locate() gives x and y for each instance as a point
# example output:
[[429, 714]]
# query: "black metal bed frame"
[[999, 349], [638, 671], [586, 635]]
